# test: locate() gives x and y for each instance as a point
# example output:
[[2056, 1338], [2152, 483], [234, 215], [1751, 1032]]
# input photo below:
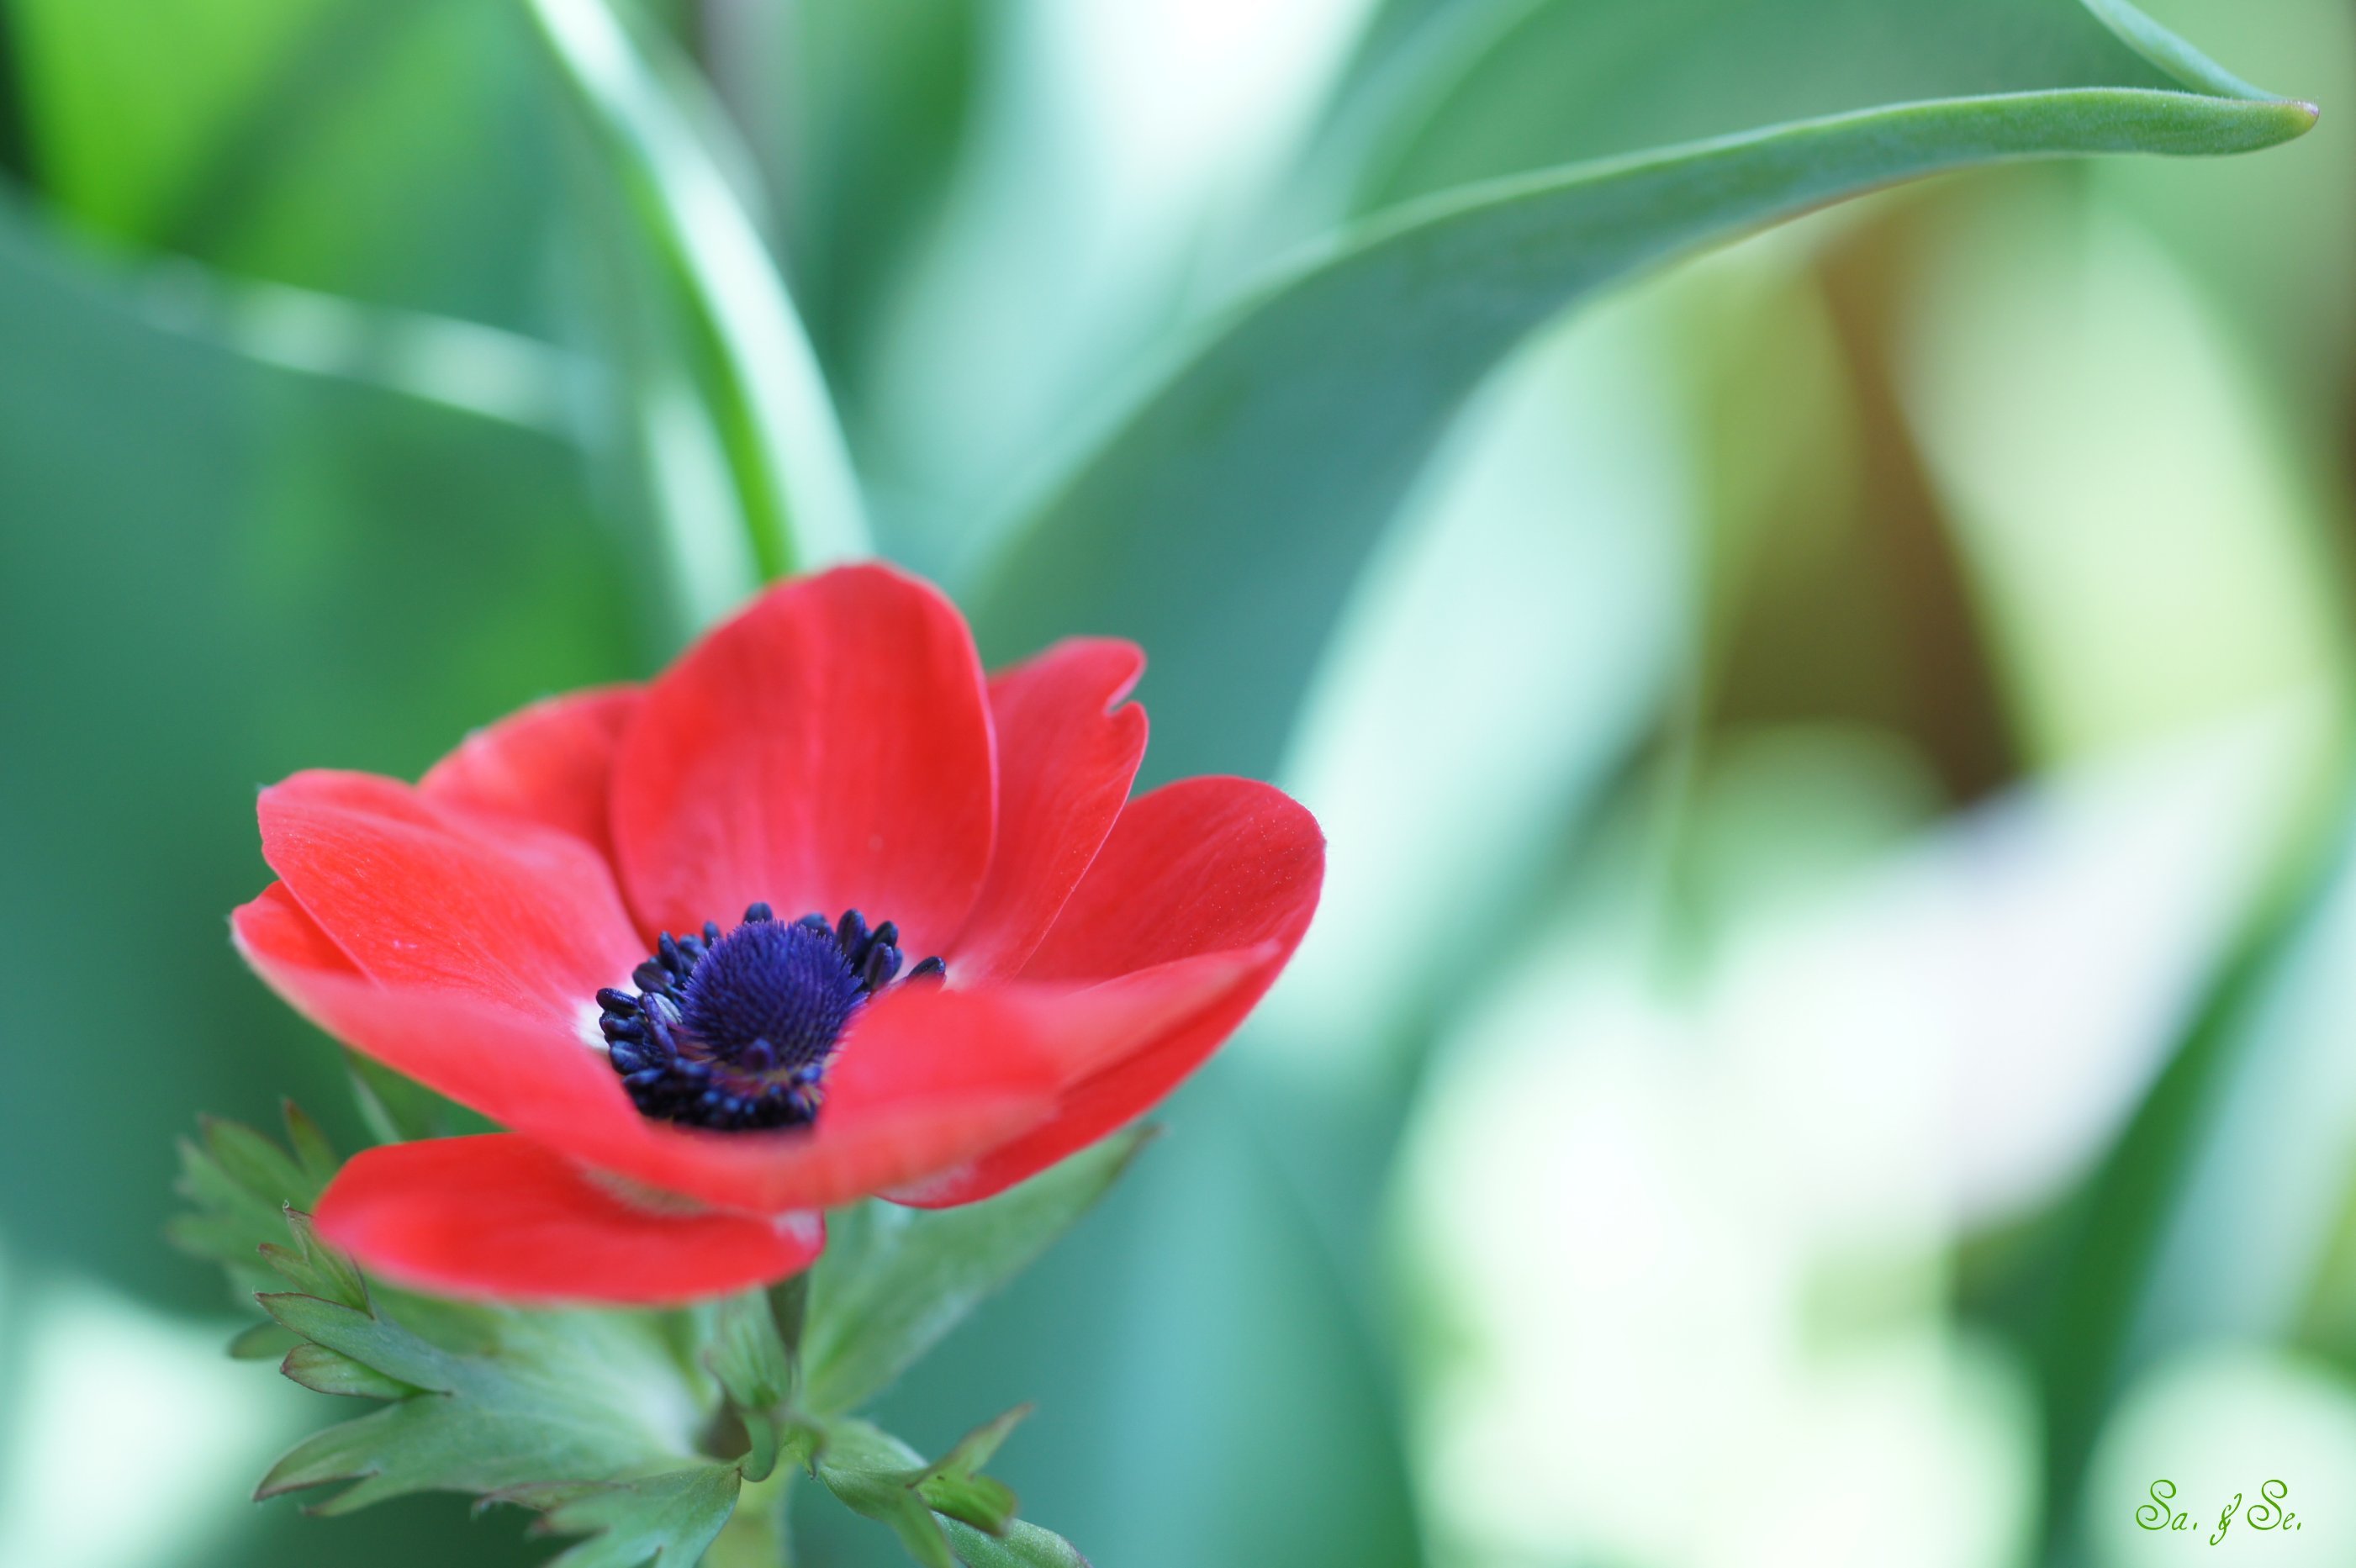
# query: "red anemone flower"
[[633, 926]]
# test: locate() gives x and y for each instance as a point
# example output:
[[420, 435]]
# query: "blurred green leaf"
[[1498, 87], [2167, 53], [401, 1110], [1222, 518], [876, 1475], [1554, 537], [866, 103], [1240, 1357], [238, 131], [223, 569], [2160, 1246], [750, 365], [893, 1280], [954, 1486], [755, 1371], [1023, 1545], [2146, 438], [130, 107]]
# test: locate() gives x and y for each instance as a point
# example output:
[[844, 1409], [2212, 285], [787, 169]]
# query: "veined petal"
[[1203, 865], [550, 764], [502, 1217], [420, 893], [1067, 756], [828, 749]]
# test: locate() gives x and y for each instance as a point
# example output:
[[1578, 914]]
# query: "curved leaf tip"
[[2177, 59]]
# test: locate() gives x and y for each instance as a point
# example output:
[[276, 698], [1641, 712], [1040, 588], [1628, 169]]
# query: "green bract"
[[636, 1430]]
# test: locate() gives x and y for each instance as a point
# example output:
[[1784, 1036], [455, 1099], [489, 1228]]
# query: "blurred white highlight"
[[132, 1439]]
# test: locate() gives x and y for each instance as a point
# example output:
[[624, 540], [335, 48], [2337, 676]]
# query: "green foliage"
[[635, 1430], [893, 1280], [665, 1520], [953, 1484], [541, 1399], [731, 332], [943, 1513], [1223, 518], [594, 1418], [757, 1370], [235, 131], [880, 94], [241, 1186]]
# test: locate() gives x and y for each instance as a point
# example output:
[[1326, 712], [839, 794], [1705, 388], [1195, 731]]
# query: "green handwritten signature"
[[2267, 1513]]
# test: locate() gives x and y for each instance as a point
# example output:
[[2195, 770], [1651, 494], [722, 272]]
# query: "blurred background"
[[1832, 1036]]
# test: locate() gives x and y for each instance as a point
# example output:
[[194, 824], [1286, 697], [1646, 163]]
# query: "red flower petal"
[[420, 893], [1066, 759], [926, 1079], [829, 748], [502, 1219], [548, 763], [1202, 864], [1199, 866], [532, 1073], [275, 925]]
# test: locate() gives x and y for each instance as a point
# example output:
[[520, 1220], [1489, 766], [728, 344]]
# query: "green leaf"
[[242, 1185], [545, 1396], [751, 372], [591, 1417], [755, 1371], [1023, 1545], [954, 1485], [283, 547], [236, 132], [312, 1266], [322, 1371], [597, 1418], [256, 1164], [665, 1520], [876, 1475], [1221, 520], [869, 103], [1499, 87], [2169, 53], [313, 1155], [893, 1280], [2238, 1123]]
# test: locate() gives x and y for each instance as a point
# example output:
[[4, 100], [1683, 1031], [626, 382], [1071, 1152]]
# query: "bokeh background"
[[1832, 1038]]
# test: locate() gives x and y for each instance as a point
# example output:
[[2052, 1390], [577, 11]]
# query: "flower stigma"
[[736, 1031]]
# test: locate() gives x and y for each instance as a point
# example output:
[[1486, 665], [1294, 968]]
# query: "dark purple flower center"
[[736, 1031]]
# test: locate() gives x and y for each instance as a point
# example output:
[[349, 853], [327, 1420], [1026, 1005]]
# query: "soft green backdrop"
[[1830, 1023]]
